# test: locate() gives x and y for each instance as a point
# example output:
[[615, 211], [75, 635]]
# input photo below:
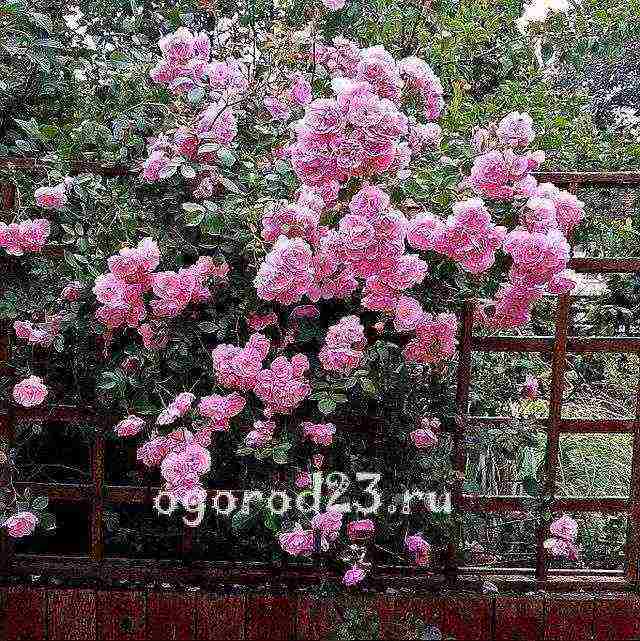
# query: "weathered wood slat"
[[569, 619], [518, 618], [121, 616], [25, 614], [270, 617], [314, 619], [71, 614], [605, 265], [171, 616], [220, 618], [617, 618], [397, 614], [467, 617]]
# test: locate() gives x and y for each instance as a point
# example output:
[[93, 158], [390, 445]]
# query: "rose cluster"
[[132, 275], [344, 345], [564, 531], [25, 237]]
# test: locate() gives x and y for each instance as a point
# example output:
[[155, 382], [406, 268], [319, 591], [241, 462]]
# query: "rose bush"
[[304, 223]]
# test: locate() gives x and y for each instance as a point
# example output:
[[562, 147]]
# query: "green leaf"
[[40, 503], [187, 171], [327, 406], [47, 521], [208, 327], [240, 521]]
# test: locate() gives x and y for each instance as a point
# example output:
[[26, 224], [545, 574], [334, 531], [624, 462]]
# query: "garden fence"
[[98, 569]]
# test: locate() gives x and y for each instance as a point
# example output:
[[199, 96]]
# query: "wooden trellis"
[[183, 569]]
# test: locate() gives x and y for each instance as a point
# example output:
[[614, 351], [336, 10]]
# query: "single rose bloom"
[[51, 197], [129, 426], [531, 388], [21, 524], [30, 392], [353, 576], [303, 480], [72, 291], [564, 528], [423, 438], [358, 530], [297, 543]]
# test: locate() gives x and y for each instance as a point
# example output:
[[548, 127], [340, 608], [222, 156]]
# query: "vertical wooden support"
[[121, 616], [460, 428], [71, 614], [633, 523], [97, 505], [558, 366]]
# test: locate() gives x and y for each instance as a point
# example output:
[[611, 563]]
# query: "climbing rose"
[[180, 405], [238, 367], [261, 434], [423, 438], [516, 130], [152, 452], [129, 426], [30, 392], [220, 409], [435, 339], [564, 528], [283, 386], [419, 548], [303, 480], [344, 345], [329, 524], [334, 5], [21, 524], [72, 291], [28, 236]]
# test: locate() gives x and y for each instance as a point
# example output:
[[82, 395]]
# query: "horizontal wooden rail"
[[605, 265], [584, 426], [481, 504], [540, 344]]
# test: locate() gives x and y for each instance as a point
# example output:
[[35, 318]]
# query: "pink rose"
[[408, 314], [72, 291], [51, 197], [358, 530], [303, 480], [319, 433], [30, 392], [21, 524], [152, 452], [353, 576], [329, 524], [130, 426], [564, 528], [562, 547], [423, 438], [419, 548], [297, 543], [530, 389], [277, 108]]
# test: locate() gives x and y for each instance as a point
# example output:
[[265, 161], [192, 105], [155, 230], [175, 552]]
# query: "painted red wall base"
[[32, 614]]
